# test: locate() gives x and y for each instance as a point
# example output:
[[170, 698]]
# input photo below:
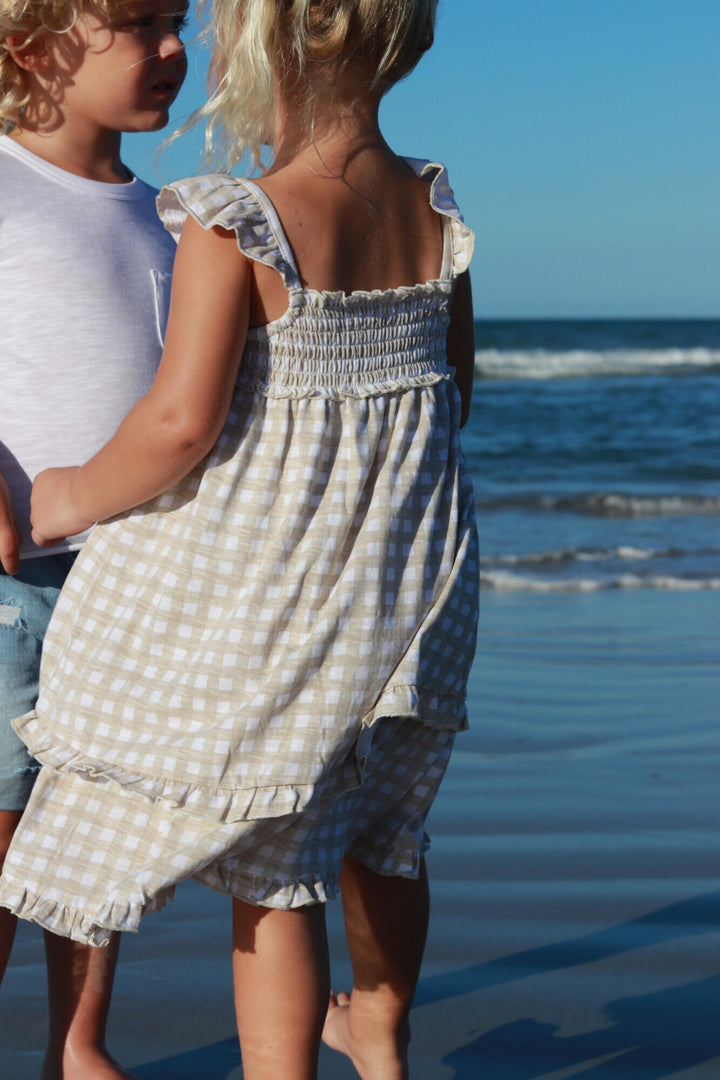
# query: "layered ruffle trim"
[[212, 803], [68, 922], [442, 199], [125, 915], [284, 895], [234, 205], [227, 805], [419, 294]]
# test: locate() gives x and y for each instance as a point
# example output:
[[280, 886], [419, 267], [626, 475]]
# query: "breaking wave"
[[607, 504], [583, 363]]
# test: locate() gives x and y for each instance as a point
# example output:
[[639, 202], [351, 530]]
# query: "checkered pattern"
[[222, 648], [91, 857]]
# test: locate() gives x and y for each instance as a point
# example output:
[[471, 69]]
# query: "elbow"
[[187, 436]]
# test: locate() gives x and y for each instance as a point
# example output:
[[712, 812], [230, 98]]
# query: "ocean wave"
[[505, 581], [607, 504], [581, 363], [565, 557]]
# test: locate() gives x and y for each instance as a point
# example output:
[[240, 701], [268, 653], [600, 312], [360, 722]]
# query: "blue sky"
[[581, 138]]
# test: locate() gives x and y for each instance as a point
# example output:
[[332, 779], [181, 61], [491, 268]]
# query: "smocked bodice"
[[332, 345]]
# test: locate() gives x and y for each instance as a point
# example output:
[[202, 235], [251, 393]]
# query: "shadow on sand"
[[647, 1038], [213, 1062], [650, 1037]]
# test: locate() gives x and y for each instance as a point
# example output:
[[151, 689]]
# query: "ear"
[[32, 56]]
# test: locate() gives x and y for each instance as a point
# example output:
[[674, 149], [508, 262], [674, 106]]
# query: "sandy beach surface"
[[575, 871]]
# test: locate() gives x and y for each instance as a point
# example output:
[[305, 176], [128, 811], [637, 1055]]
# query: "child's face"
[[121, 73]]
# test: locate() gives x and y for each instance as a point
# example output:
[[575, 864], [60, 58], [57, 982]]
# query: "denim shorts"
[[27, 600]]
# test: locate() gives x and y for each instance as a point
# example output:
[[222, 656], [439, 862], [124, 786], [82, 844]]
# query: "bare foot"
[[85, 1064], [352, 1028]]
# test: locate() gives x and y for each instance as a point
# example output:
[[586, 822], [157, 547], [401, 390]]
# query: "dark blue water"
[[595, 450]]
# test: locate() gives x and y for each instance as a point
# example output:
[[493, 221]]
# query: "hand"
[[53, 515], [9, 536]]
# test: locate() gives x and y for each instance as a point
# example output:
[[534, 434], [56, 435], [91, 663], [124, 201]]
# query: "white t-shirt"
[[85, 271]]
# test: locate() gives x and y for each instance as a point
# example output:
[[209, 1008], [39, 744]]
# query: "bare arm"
[[178, 421], [9, 537], [461, 342]]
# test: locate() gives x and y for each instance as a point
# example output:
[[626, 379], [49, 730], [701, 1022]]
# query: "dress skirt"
[[116, 856]]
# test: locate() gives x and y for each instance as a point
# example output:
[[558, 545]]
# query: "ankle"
[[380, 1015], [83, 1062], [374, 1033]]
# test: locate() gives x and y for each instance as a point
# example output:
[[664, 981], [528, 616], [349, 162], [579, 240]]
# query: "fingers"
[[45, 541], [42, 540], [10, 554], [9, 536]]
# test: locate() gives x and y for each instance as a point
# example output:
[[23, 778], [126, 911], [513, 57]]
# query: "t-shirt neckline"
[[129, 191]]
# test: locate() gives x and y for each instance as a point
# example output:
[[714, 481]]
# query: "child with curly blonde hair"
[[84, 273], [258, 666]]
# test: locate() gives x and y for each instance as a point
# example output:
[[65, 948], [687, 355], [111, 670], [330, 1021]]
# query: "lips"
[[166, 87]]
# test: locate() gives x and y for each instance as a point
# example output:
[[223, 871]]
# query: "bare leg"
[[386, 921], [80, 979], [282, 982], [8, 823], [80, 982]]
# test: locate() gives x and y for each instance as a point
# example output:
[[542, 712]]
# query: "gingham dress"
[[220, 657]]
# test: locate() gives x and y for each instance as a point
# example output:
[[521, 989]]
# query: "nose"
[[170, 45]]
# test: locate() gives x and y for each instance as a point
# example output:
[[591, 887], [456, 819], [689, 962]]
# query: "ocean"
[[594, 446]]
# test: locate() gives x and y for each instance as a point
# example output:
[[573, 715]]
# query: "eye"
[[141, 21], [180, 22]]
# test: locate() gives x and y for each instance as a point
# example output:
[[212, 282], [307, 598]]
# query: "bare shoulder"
[[373, 184], [366, 224]]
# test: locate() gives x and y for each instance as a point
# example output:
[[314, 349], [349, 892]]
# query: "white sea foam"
[[640, 506], [548, 364], [631, 554], [607, 504], [505, 581], [567, 556]]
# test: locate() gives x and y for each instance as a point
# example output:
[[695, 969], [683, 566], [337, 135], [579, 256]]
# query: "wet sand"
[[575, 871]]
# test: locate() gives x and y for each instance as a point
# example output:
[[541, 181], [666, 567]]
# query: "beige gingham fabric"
[[223, 650], [117, 857]]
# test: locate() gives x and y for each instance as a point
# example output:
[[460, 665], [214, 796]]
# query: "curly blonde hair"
[[24, 20], [311, 45]]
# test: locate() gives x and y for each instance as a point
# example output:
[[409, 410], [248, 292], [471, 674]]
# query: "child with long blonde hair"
[[85, 268], [256, 670]]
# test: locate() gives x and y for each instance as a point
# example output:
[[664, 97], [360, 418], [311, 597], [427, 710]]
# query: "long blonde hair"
[[25, 20], [309, 43]]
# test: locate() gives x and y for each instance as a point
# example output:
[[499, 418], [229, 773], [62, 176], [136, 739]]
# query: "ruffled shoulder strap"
[[235, 204], [459, 238]]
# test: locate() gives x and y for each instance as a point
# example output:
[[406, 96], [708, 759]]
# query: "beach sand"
[[575, 873]]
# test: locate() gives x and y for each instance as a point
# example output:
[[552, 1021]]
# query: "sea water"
[[594, 446]]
